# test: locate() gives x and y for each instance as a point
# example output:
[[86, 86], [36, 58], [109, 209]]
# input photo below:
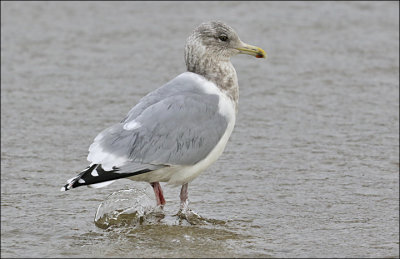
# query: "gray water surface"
[[311, 169]]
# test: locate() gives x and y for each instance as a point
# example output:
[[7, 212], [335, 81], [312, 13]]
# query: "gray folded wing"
[[178, 124]]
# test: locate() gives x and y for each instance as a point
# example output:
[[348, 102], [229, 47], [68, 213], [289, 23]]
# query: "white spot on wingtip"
[[81, 181], [63, 189], [94, 173]]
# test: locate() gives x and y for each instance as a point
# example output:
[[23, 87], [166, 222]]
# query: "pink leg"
[[158, 192], [184, 196]]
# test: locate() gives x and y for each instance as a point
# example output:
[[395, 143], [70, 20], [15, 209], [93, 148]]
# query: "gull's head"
[[219, 41]]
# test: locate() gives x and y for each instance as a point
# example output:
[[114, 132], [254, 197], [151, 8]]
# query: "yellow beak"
[[252, 50]]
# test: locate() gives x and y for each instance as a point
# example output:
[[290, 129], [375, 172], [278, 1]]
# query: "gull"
[[177, 131]]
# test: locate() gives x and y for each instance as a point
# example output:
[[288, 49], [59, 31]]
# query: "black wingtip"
[[74, 182], [86, 177]]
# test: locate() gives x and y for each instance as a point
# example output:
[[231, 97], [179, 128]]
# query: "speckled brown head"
[[220, 41], [209, 49]]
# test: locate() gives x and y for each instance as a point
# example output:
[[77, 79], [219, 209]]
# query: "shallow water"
[[311, 169]]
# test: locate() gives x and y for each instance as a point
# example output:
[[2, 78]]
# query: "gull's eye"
[[223, 38]]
